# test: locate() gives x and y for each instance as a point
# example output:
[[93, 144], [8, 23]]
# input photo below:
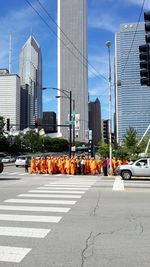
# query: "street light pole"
[[68, 95], [70, 126], [108, 44]]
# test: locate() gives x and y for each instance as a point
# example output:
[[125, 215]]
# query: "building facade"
[[95, 121], [72, 64], [10, 99], [105, 131], [132, 99], [49, 122], [31, 81]]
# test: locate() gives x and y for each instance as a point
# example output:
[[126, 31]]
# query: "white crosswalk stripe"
[[32, 208], [56, 191], [49, 196], [63, 188], [68, 185], [13, 254], [65, 192], [29, 218], [23, 232], [41, 201]]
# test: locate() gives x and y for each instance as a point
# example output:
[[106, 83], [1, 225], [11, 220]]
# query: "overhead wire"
[[70, 41], [100, 76], [141, 11]]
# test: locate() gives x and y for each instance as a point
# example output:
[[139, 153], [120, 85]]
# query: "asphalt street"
[[73, 221]]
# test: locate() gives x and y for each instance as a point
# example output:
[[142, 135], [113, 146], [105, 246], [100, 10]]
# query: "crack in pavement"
[[90, 243], [84, 257], [93, 212]]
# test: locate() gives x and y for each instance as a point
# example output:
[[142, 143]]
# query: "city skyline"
[[20, 20]]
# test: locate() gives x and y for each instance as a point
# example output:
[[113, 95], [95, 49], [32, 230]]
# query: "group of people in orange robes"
[[73, 166], [65, 165]]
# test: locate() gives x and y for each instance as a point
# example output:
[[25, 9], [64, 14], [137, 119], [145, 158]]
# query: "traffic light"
[[8, 124], [144, 54], [147, 26]]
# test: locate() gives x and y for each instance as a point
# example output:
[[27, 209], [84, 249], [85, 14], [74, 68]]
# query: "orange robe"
[[93, 167], [33, 166]]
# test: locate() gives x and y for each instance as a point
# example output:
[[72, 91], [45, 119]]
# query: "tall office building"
[[95, 120], [31, 82], [72, 66], [10, 98], [132, 99]]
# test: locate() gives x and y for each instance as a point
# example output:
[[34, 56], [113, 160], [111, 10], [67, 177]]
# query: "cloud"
[[103, 21]]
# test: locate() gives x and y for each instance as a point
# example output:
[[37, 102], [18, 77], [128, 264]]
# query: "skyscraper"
[[72, 66], [31, 82], [10, 98], [132, 99], [95, 120]]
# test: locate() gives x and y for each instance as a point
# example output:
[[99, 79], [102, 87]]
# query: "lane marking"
[[49, 196], [56, 191], [23, 232], [118, 185], [63, 188], [13, 254], [32, 208], [41, 201], [29, 218]]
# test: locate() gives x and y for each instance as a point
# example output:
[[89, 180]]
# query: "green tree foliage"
[[30, 141], [130, 142], [130, 138], [121, 153], [103, 150]]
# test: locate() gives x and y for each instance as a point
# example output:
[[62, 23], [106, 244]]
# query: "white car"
[[139, 168], [20, 161], [8, 159]]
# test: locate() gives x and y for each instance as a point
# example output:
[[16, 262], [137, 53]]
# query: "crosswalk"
[[44, 205]]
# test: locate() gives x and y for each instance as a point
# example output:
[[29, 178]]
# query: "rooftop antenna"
[[31, 31], [10, 53]]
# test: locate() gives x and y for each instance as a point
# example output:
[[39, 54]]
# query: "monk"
[[33, 165], [93, 166], [99, 165], [67, 165], [49, 165], [73, 166]]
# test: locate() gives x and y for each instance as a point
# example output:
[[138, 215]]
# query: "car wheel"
[[126, 175], [16, 165]]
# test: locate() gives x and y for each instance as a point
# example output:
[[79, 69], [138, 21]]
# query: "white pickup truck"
[[140, 168]]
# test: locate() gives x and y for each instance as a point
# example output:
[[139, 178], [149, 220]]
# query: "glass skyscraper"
[[72, 64], [31, 82], [132, 99]]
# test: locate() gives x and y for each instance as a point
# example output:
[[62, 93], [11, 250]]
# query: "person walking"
[[105, 167], [26, 166]]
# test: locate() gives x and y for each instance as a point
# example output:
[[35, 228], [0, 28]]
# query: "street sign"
[[69, 122]]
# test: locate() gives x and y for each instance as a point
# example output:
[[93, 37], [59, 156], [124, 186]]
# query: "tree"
[[103, 150], [30, 141], [130, 138]]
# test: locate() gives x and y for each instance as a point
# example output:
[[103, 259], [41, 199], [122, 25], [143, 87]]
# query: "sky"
[[104, 18]]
